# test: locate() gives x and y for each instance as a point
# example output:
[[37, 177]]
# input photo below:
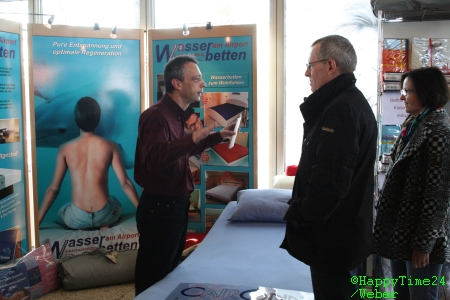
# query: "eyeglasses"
[[192, 126], [309, 65], [405, 92]]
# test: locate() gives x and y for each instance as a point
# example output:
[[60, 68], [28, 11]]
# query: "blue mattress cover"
[[237, 253]]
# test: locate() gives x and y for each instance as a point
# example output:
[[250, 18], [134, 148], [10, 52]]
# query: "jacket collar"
[[173, 106], [422, 132], [313, 105]]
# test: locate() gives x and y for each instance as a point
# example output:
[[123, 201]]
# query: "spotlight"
[[185, 29], [96, 26], [50, 22], [113, 34]]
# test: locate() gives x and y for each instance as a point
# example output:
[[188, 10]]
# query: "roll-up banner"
[[227, 61], [86, 91], [15, 213]]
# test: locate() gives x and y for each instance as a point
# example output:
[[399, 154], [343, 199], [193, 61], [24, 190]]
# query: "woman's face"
[[409, 96]]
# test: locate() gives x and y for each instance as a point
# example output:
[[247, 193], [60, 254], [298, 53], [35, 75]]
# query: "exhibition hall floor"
[[113, 292]]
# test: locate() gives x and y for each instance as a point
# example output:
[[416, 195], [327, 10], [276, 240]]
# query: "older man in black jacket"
[[330, 218]]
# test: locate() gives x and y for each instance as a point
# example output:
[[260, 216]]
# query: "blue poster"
[[219, 173], [87, 105], [13, 214]]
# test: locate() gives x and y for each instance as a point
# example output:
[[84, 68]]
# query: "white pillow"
[[283, 182], [261, 205]]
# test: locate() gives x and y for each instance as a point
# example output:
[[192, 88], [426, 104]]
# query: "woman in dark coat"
[[412, 227]]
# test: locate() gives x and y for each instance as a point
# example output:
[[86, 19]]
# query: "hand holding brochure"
[[236, 128]]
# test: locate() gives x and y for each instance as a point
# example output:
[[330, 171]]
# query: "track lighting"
[[49, 21], [186, 29]]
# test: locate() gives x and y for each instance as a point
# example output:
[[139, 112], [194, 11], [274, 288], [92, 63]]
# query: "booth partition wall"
[[160, 14], [285, 31]]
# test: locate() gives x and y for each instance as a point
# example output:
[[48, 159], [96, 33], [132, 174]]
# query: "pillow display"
[[223, 193], [97, 268], [291, 170], [30, 276], [261, 205], [283, 182]]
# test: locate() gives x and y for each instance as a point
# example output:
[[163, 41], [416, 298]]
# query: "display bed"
[[238, 253]]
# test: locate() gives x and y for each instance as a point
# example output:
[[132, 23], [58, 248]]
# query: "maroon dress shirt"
[[163, 149]]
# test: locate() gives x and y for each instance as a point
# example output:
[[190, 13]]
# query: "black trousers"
[[162, 225], [336, 284]]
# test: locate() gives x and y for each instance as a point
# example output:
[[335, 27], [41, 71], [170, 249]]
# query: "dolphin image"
[[54, 117]]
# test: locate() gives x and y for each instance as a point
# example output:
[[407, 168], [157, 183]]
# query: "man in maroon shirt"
[[162, 170]]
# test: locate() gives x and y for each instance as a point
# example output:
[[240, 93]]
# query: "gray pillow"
[[261, 205], [94, 269]]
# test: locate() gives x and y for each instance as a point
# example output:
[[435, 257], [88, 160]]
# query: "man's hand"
[[227, 132], [201, 134]]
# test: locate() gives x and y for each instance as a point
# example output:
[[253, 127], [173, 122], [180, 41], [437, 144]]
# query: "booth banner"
[[66, 69], [13, 207], [227, 63]]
